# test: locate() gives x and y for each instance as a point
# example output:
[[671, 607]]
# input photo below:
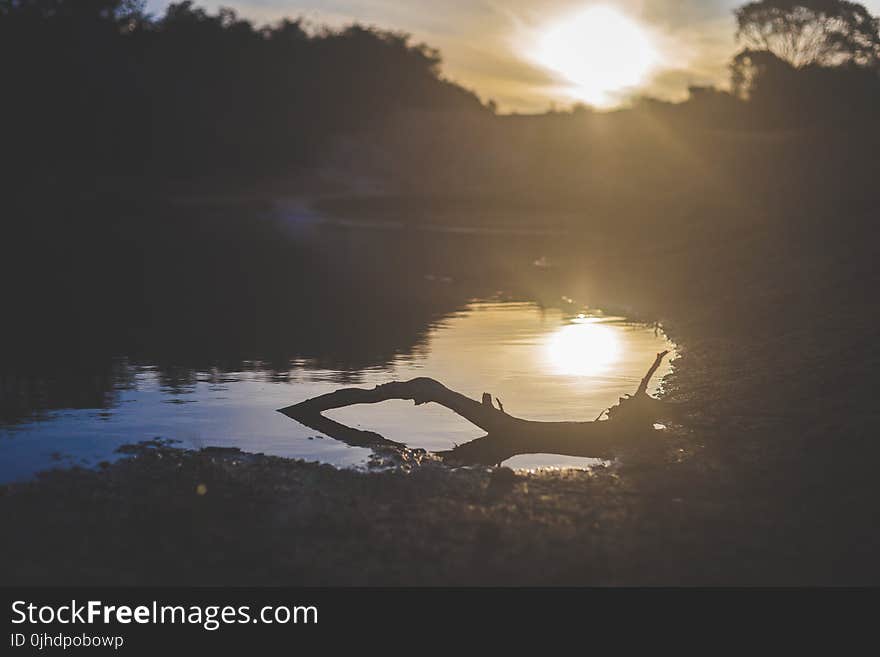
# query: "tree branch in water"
[[628, 423]]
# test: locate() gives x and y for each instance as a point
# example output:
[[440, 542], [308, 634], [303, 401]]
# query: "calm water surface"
[[543, 364]]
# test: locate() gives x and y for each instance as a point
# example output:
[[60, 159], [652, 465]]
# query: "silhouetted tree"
[[121, 11], [807, 63], [806, 32], [752, 71], [96, 86]]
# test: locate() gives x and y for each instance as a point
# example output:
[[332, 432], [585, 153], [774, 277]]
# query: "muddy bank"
[[218, 517], [222, 517]]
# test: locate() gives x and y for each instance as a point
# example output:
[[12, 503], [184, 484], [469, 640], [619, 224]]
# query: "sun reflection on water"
[[541, 362], [583, 348]]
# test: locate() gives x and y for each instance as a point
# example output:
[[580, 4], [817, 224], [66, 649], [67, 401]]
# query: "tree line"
[[100, 87], [98, 84]]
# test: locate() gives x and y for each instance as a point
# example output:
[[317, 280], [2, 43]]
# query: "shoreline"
[[769, 482], [220, 516]]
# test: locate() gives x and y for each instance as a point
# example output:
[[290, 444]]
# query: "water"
[[194, 323], [544, 364]]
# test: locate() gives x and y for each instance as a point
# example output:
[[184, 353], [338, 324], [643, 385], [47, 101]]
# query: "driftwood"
[[626, 426]]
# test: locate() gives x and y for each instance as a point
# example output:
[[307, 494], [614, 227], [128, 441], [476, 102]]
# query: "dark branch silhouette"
[[629, 423]]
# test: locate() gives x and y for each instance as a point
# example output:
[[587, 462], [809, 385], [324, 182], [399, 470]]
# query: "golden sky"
[[500, 50]]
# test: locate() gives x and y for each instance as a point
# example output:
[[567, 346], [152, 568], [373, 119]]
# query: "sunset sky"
[[529, 54]]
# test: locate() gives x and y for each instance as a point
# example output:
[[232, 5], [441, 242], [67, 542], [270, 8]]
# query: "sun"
[[600, 52]]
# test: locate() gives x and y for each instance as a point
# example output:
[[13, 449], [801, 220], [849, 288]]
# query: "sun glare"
[[583, 348], [600, 52]]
